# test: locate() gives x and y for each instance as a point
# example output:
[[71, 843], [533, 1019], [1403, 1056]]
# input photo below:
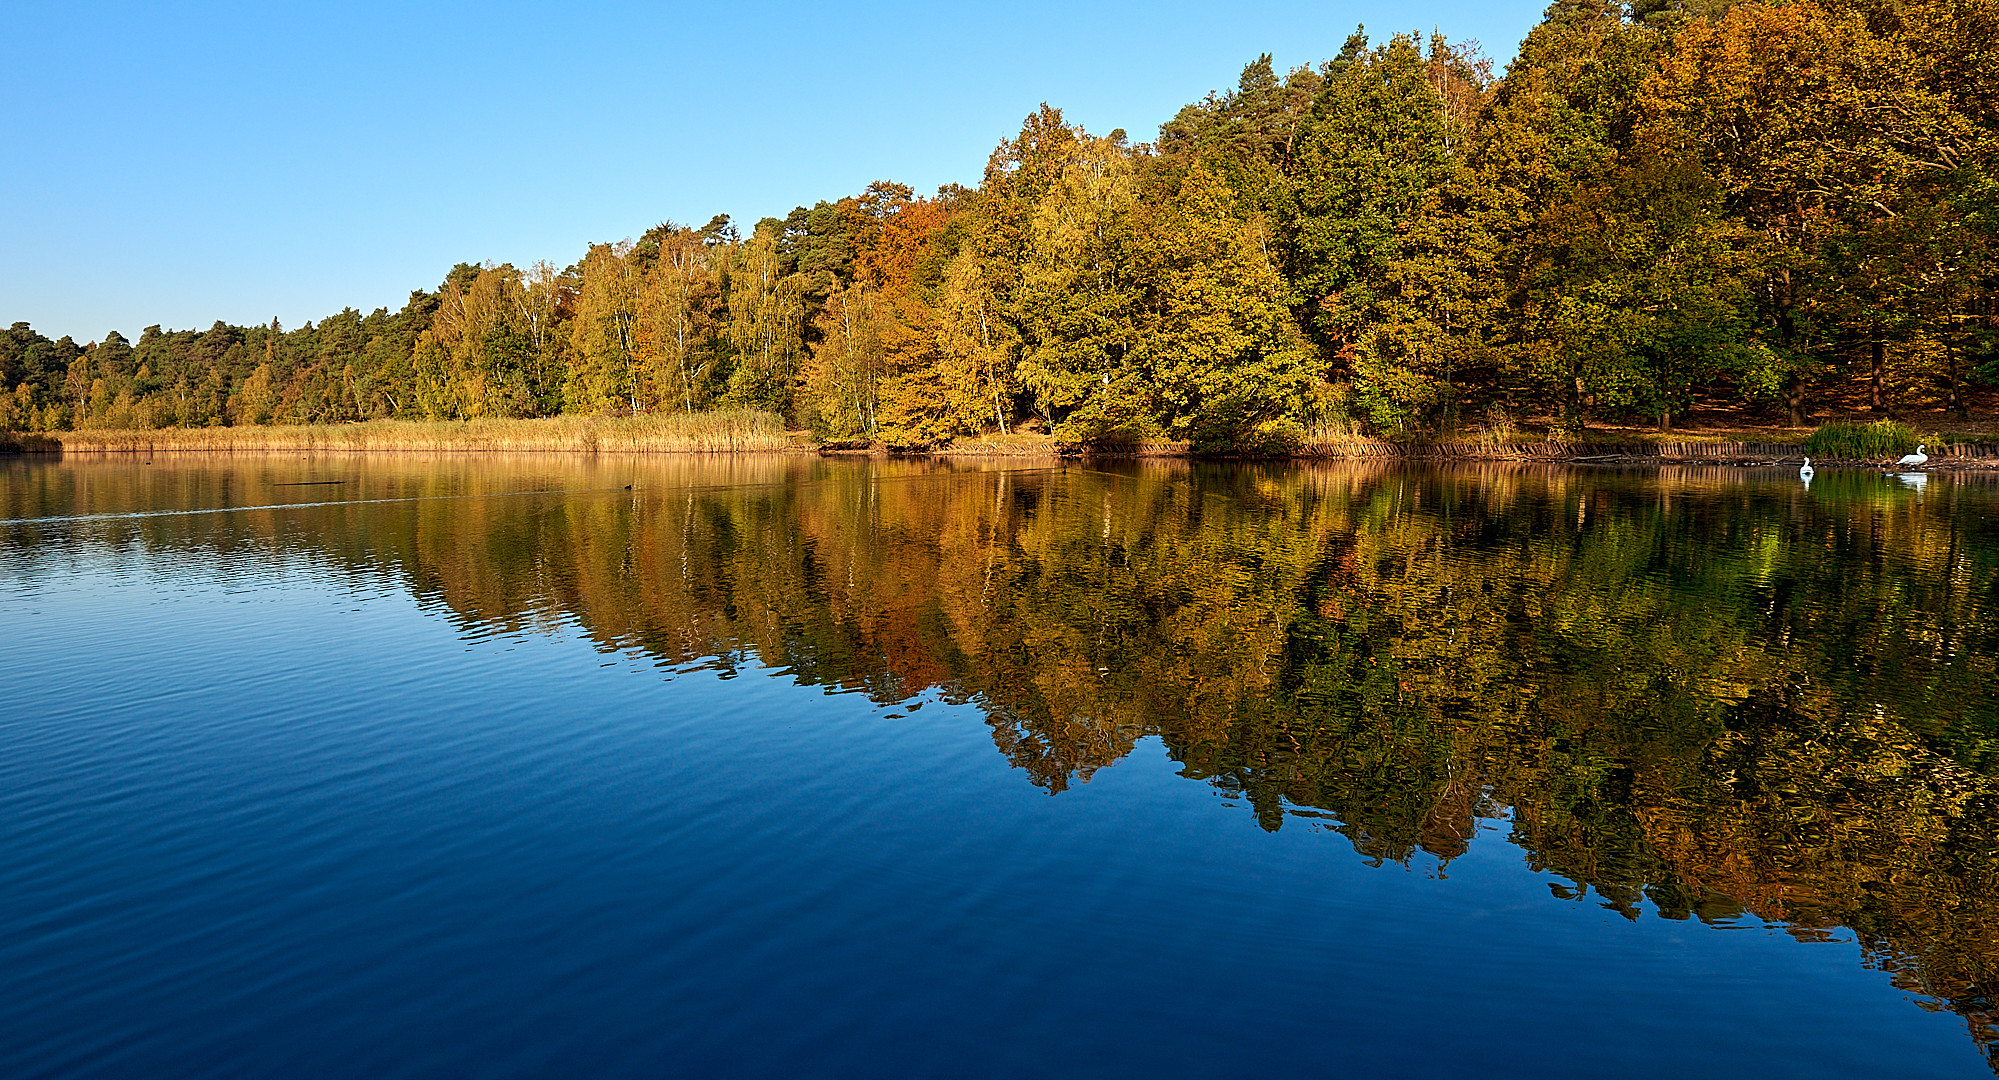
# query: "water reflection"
[[1688, 691]]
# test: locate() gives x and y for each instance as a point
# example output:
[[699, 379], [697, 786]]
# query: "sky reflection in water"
[[476, 767]]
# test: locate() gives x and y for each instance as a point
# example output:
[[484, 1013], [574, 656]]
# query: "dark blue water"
[[278, 798]]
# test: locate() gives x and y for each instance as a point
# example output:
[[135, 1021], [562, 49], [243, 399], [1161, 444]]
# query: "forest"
[[1655, 206]]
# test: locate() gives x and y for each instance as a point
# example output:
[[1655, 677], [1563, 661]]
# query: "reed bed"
[[752, 432], [1481, 449], [1334, 444], [1040, 445], [1008, 445], [19, 442], [1864, 441], [713, 432]]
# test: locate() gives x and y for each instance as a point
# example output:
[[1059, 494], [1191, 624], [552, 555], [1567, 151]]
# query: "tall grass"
[[1874, 439], [16, 442], [1499, 430], [1009, 444], [738, 430]]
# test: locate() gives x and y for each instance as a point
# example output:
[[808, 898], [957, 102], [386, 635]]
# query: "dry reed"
[[1016, 444], [732, 431]]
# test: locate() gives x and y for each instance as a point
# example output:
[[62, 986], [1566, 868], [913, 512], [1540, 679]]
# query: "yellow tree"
[[977, 348], [1076, 301], [256, 399], [604, 370], [675, 364], [766, 320], [486, 332], [844, 371], [1218, 353]]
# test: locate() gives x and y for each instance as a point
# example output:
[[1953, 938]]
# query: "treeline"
[[1657, 204]]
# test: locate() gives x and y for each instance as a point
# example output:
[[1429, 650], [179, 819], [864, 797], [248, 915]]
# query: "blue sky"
[[178, 164]]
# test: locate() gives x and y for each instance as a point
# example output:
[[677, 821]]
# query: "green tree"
[[979, 350], [604, 363], [1225, 365], [674, 338], [1374, 260], [1076, 303], [844, 371], [766, 324]]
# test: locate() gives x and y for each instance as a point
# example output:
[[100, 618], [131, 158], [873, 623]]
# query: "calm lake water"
[[780, 766]]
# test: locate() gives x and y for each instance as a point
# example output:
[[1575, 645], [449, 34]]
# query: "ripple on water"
[[826, 774]]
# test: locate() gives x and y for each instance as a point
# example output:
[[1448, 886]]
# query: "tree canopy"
[[1655, 204]]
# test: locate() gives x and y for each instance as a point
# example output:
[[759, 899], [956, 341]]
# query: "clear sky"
[[182, 163]]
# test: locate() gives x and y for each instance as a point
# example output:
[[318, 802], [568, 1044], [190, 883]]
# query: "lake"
[[494, 766]]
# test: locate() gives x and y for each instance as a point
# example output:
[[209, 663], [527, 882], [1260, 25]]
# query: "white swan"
[[1915, 460], [1806, 472]]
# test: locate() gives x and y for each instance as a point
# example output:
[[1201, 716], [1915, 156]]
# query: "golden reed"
[[738, 430]]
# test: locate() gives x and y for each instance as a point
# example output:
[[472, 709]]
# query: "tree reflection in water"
[[1690, 689]]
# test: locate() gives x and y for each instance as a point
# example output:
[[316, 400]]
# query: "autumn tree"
[[676, 319], [605, 368], [1075, 303], [1218, 354], [766, 320], [1376, 260]]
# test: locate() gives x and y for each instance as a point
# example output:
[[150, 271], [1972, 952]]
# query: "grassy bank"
[[677, 433]]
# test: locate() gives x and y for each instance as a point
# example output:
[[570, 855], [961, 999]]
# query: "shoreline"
[[1963, 457]]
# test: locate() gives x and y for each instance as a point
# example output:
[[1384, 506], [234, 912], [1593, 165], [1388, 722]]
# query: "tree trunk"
[[1954, 389], [1794, 399], [1875, 349]]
